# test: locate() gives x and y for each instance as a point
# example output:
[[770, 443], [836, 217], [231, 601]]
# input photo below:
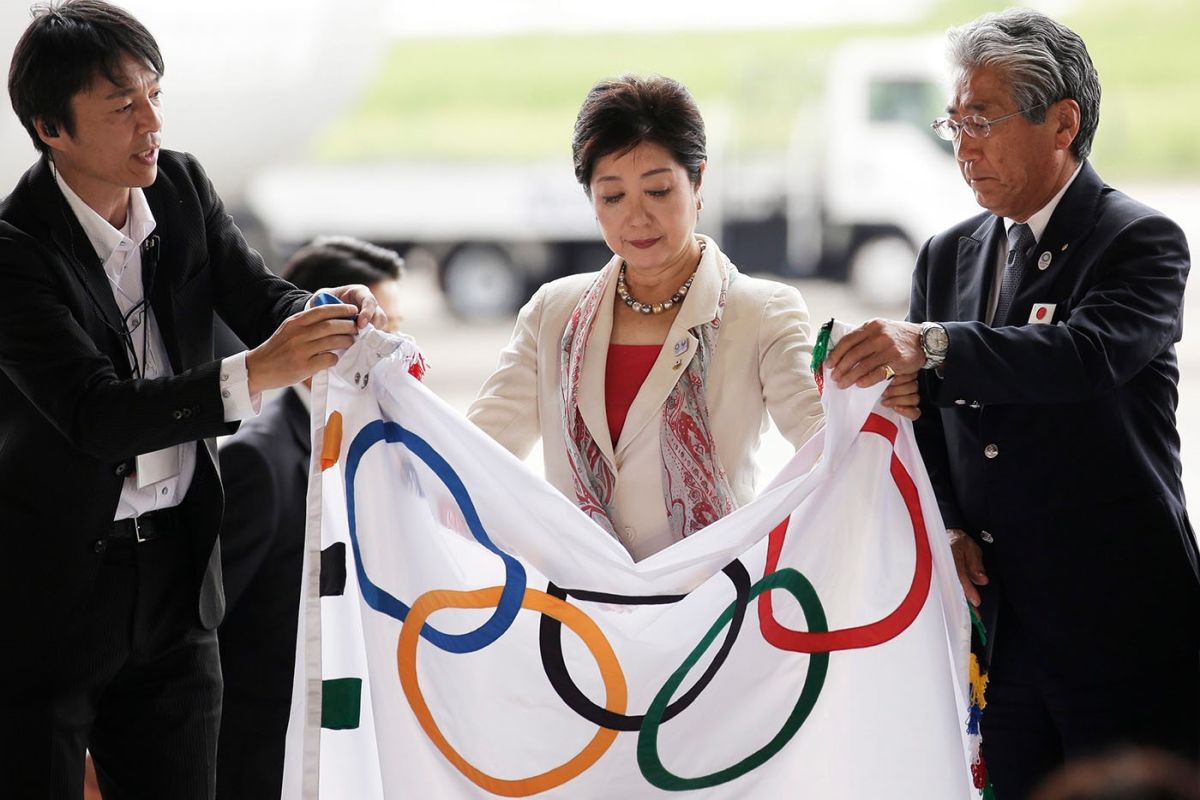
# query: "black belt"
[[145, 528]]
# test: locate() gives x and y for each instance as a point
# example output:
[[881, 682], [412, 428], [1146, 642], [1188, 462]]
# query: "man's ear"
[[47, 131], [1066, 116]]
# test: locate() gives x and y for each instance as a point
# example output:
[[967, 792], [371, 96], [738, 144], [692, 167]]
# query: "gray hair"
[[1043, 61]]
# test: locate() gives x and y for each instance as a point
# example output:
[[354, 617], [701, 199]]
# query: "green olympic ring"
[[814, 680]]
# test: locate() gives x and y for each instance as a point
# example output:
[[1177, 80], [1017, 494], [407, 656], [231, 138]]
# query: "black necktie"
[[1020, 245]]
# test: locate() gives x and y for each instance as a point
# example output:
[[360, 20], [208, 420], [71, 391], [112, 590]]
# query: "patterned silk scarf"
[[696, 491]]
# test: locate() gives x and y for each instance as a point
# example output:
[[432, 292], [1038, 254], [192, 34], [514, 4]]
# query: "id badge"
[[157, 466]]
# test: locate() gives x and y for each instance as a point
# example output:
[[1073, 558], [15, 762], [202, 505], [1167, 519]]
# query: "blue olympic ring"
[[514, 586]]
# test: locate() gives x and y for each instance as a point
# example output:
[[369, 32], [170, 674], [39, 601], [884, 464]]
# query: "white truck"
[[862, 184]]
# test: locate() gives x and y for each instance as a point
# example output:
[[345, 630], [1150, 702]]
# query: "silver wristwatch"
[[935, 343]]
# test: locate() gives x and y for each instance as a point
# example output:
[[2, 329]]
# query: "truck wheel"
[[881, 270], [481, 282]]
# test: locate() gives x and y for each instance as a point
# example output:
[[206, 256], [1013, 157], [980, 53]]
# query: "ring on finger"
[[888, 372]]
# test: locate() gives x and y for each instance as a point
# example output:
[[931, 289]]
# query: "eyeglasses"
[[975, 126]]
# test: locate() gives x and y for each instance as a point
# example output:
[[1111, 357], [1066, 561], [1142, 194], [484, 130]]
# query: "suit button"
[[99, 546], [629, 534], [991, 451], [187, 412], [987, 537], [122, 469], [177, 414]]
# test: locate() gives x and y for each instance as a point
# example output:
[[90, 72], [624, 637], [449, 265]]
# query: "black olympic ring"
[[550, 641]]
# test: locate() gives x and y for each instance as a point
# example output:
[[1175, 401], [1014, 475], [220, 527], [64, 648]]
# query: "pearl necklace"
[[654, 308]]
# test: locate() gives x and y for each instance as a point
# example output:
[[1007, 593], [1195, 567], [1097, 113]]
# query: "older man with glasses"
[[1046, 328]]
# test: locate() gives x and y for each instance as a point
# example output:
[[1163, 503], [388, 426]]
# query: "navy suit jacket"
[[1054, 445], [71, 413]]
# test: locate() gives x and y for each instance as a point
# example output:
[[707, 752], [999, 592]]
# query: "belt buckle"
[[137, 531]]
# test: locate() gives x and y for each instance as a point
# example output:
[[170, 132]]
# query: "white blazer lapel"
[[591, 377], [679, 348]]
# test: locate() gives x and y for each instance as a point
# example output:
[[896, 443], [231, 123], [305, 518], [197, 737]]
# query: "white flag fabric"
[[467, 632]]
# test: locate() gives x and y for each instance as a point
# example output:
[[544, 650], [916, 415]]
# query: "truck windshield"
[[909, 102]]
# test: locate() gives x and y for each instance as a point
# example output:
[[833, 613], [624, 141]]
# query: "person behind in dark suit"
[[264, 468], [115, 255], [1046, 328]]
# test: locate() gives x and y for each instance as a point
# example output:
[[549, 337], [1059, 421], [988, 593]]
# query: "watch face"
[[936, 340]]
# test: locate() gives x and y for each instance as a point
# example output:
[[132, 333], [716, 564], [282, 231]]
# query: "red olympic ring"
[[883, 629]]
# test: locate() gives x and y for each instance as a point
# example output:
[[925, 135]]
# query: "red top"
[[626, 370]]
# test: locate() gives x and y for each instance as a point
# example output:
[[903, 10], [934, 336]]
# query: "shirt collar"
[[1038, 222], [104, 237]]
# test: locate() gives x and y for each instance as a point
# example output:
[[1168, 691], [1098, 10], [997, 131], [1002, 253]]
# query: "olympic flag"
[[467, 632]]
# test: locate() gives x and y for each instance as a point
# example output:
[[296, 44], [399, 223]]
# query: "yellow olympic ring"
[[616, 694]]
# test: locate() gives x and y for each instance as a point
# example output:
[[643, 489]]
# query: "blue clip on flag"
[[325, 298]]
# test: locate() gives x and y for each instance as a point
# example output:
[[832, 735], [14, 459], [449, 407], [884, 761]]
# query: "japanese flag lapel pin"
[[1042, 314]]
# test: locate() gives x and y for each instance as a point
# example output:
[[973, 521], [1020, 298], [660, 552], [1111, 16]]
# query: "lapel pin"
[[1064, 248], [681, 347], [678, 363], [1044, 260], [1041, 314]]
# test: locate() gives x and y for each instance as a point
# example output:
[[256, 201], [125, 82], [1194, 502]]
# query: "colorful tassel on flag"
[[418, 367], [404, 347], [978, 680], [819, 353]]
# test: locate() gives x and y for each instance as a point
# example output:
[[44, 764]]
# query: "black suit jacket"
[[1057, 442], [264, 469], [70, 412]]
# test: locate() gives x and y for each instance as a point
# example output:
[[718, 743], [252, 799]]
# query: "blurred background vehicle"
[[442, 130], [857, 186], [445, 129]]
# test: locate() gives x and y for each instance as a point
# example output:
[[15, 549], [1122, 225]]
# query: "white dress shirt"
[[1037, 225], [120, 252]]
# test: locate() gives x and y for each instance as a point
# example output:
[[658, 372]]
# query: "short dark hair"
[[618, 115], [1043, 60], [330, 261], [64, 49]]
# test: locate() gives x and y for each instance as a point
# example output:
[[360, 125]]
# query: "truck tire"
[[880, 271], [481, 282]]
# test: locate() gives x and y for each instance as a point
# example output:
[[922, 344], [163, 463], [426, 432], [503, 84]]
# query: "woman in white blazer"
[[650, 381]]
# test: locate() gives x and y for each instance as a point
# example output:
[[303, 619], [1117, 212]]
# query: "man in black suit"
[[264, 469], [1046, 329], [114, 257]]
